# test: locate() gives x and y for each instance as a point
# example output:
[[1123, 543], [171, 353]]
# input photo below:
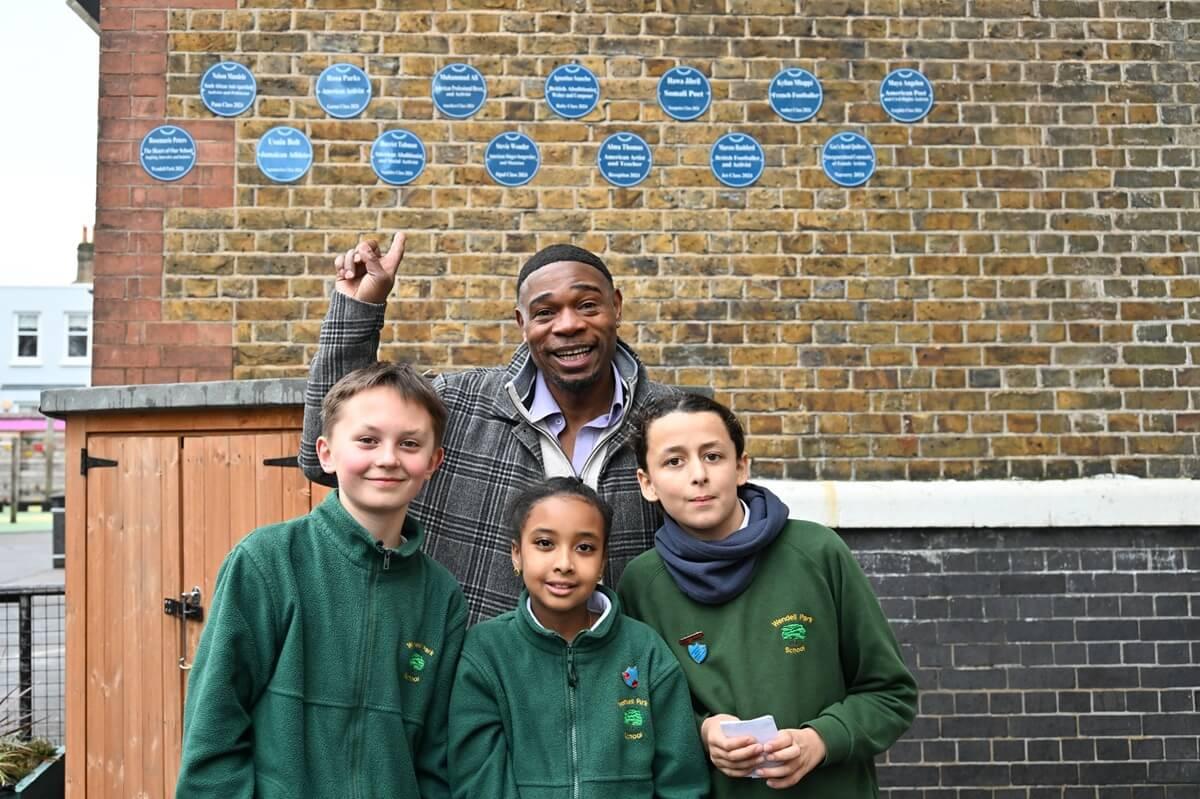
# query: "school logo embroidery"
[[793, 629], [630, 676], [697, 650], [794, 632], [418, 659], [633, 717]]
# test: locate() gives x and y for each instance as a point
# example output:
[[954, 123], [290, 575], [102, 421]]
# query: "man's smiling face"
[[568, 313]]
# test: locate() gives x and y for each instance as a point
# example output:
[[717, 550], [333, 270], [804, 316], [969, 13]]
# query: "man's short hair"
[[557, 253], [400, 377]]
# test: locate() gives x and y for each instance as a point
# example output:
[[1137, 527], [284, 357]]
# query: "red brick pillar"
[[135, 340]]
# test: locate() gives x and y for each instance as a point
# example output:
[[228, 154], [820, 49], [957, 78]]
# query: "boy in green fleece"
[[766, 615], [564, 696], [326, 664]]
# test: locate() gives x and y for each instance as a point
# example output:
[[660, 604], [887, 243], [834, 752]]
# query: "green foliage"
[[18, 756]]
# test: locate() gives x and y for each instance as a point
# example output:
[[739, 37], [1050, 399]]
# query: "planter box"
[[47, 781]]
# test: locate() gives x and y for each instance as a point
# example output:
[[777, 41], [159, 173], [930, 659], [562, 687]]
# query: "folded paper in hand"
[[762, 729]]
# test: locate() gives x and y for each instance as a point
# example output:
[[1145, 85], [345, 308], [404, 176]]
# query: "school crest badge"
[[633, 720], [793, 632], [419, 656], [696, 648], [793, 629], [630, 676]]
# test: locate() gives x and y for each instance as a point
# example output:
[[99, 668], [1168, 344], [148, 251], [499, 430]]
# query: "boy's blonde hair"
[[385, 374]]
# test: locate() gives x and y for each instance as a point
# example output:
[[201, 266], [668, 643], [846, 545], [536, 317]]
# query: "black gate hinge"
[[292, 461], [86, 462]]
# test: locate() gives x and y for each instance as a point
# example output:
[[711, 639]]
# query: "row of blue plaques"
[[284, 154], [572, 91]]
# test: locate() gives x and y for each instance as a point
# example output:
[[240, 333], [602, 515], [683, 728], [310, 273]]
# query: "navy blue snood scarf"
[[714, 572]]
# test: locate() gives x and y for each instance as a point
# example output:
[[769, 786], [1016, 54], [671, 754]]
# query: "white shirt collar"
[[745, 515], [597, 603]]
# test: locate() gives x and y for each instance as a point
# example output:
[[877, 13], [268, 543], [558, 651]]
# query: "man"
[[561, 407]]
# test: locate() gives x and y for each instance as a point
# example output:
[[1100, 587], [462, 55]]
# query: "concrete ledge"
[[215, 394], [1110, 501]]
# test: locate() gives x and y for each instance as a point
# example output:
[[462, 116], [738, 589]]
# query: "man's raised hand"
[[365, 273]]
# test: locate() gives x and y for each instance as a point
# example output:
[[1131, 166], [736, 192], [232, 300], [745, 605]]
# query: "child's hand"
[[365, 273], [796, 752], [735, 757]]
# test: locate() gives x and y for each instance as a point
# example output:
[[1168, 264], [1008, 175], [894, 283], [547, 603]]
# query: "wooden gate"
[[159, 523], [134, 690]]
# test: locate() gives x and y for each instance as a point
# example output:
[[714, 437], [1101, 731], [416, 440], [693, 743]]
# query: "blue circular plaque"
[[343, 90], [398, 157], [459, 90], [737, 160], [684, 93], [848, 159], [796, 95], [572, 91], [906, 95], [284, 154], [167, 153], [625, 159], [512, 159], [228, 88]]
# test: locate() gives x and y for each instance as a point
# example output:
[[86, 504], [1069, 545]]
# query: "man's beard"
[[579, 385]]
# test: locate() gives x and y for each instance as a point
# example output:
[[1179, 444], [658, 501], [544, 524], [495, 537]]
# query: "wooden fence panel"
[[133, 537]]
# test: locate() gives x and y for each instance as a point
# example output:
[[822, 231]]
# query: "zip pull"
[[571, 679], [387, 554]]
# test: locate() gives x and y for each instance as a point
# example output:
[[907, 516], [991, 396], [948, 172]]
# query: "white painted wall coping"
[[1108, 501]]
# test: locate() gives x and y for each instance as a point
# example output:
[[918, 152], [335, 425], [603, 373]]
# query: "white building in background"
[[45, 342], [46, 338]]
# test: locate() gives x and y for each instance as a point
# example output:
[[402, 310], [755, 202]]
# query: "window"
[[27, 336], [79, 334]]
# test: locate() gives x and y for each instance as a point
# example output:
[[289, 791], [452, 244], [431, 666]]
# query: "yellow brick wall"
[[1015, 293]]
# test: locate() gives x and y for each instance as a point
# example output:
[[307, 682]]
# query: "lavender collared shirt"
[[544, 411]]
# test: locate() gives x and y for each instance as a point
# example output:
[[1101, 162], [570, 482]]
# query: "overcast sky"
[[50, 58]]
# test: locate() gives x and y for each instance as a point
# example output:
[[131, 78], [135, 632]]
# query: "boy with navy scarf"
[[765, 614]]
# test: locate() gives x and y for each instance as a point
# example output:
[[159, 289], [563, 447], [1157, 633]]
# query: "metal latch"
[[186, 607]]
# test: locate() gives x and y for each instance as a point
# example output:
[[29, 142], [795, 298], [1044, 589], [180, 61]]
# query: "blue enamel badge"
[[630, 676], [698, 651]]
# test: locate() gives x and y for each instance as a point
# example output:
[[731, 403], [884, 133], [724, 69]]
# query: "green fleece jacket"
[[805, 642], [325, 667], [605, 716]]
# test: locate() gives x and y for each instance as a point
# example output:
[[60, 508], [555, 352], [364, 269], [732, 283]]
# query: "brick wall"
[[1052, 663], [1016, 292], [137, 336]]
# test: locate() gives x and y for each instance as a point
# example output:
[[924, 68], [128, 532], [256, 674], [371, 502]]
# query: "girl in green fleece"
[[564, 696], [766, 615]]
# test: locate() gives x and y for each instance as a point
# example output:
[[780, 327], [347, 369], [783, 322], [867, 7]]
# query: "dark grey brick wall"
[[1052, 663]]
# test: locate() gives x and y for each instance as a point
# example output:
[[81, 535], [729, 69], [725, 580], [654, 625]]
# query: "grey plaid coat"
[[492, 452]]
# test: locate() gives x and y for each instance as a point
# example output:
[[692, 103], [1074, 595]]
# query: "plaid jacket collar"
[[521, 372]]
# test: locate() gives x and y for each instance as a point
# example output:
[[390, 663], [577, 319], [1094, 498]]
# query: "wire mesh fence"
[[32, 664]]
